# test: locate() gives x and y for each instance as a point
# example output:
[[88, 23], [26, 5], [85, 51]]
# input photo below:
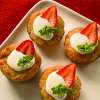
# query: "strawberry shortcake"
[[82, 45], [60, 83], [46, 27], [20, 62]]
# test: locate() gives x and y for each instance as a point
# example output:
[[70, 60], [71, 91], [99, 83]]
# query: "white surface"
[[90, 74], [53, 80]]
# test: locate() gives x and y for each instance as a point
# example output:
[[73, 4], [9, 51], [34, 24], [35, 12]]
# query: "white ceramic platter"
[[90, 74]]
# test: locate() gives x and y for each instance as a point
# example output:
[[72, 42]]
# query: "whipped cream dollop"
[[53, 80], [78, 39], [38, 24], [13, 59]]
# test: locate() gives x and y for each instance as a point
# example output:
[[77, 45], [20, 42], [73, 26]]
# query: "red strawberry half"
[[68, 73], [26, 47], [51, 15], [91, 32]]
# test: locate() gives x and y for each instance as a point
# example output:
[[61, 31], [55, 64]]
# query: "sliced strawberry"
[[91, 32], [26, 47], [68, 73], [51, 15]]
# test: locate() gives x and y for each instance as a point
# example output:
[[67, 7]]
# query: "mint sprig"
[[86, 47], [47, 30], [22, 62], [61, 90]]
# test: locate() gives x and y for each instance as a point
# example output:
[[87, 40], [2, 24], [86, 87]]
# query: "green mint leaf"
[[24, 61], [57, 30], [61, 90], [47, 30], [86, 47]]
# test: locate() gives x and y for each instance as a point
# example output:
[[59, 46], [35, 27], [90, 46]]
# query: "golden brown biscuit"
[[46, 96], [57, 36], [12, 74], [75, 56]]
